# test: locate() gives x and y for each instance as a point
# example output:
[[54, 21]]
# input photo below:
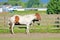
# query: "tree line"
[[28, 4], [53, 7]]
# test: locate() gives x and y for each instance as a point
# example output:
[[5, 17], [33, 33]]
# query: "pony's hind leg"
[[11, 28]]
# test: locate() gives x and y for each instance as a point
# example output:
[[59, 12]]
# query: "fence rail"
[[46, 19]]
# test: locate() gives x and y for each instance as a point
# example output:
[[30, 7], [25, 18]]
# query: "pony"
[[25, 19]]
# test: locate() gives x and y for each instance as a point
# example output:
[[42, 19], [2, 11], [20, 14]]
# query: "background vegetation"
[[53, 7], [29, 3]]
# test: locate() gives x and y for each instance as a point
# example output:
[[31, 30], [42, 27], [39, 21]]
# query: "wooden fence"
[[51, 19]]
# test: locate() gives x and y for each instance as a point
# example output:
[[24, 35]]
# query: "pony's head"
[[37, 18], [16, 19]]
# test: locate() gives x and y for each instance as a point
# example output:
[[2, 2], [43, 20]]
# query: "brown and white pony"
[[26, 19]]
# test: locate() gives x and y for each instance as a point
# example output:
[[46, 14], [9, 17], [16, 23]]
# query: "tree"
[[14, 2], [17, 2], [33, 3], [53, 7], [5, 3]]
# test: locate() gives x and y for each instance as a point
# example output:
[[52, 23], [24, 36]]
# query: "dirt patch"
[[31, 35]]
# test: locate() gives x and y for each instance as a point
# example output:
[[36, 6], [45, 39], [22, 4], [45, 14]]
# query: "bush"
[[53, 7]]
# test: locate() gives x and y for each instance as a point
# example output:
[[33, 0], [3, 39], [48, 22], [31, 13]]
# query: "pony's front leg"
[[39, 22], [11, 28], [27, 29]]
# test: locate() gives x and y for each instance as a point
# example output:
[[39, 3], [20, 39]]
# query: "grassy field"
[[5, 33], [39, 29], [36, 28]]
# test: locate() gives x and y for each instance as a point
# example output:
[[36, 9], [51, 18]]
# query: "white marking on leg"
[[12, 28], [27, 30]]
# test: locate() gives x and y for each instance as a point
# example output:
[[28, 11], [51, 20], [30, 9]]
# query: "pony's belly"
[[19, 23]]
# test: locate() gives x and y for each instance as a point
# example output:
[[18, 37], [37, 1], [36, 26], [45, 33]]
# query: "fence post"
[[4, 18], [5, 15], [57, 22]]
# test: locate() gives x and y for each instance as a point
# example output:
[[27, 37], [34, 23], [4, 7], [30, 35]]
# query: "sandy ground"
[[31, 35]]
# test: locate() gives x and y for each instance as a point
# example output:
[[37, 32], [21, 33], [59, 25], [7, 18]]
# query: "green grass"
[[28, 12], [40, 29]]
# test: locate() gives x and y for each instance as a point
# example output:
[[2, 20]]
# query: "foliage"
[[33, 3], [29, 3], [53, 7]]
